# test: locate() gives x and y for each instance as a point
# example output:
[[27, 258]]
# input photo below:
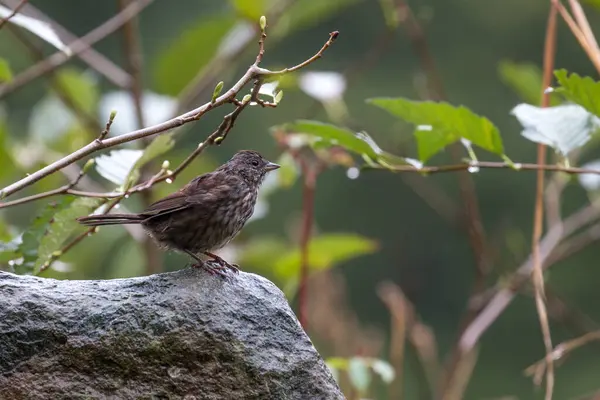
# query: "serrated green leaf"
[[431, 141], [5, 71], [250, 9], [80, 89], [359, 374], [564, 128], [288, 171], [524, 78], [324, 252], [443, 119], [581, 90], [179, 63], [159, 146], [62, 227], [32, 237]]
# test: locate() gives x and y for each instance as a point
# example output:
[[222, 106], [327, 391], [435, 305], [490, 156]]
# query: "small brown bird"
[[205, 214]]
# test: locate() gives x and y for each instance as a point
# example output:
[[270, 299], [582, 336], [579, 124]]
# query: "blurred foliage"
[[371, 228]]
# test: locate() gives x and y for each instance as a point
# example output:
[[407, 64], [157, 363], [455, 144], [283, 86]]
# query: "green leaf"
[[564, 128], [63, 225], [5, 71], [359, 374], [160, 145], [330, 135], [324, 252], [262, 252], [307, 13], [581, 90], [9, 250], [288, 171], [524, 78], [446, 122], [34, 234], [594, 3], [390, 13], [179, 63], [250, 9], [80, 89]]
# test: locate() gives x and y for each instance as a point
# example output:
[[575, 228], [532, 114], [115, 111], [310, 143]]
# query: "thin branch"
[[560, 351], [538, 221], [505, 295], [15, 12], [224, 62], [59, 58], [309, 174], [584, 25], [593, 55], [98, 62], [252, 73], [486, 165]]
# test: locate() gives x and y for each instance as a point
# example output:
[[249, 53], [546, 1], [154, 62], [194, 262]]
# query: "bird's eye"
[[255, 163]]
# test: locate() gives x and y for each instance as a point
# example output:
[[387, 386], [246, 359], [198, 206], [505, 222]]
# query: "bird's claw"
[[213, 270], [224, 264]]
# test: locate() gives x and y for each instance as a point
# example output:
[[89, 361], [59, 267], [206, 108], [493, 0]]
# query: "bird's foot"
[[212, 269], [222, 263]]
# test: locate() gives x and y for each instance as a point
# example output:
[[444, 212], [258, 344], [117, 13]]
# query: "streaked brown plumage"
[[205, 214]]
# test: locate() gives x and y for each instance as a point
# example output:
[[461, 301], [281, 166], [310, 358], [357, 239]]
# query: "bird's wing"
[[203, 190]]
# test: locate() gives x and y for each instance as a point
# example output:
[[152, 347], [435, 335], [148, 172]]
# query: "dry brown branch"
[[112, 72]]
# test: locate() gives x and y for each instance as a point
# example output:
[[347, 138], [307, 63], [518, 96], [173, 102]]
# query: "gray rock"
[[185, 334]]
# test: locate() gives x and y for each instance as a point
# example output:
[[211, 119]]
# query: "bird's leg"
[[218, 270], [223, 263]]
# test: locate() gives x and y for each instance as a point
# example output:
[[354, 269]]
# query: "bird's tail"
[[110, 219]]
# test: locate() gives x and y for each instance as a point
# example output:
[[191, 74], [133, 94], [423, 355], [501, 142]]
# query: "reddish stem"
[[308, 199]]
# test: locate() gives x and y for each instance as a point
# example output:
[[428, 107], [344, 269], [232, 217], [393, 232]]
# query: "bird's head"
[[250, 165]]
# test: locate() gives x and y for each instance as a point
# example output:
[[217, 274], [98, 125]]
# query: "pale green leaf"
[[384, 370], [443, 119], [159, 146], [262, 252], [5, 71], [324, 252], [185, 57], [359, 374], [117, 165], [63, 225], [581, 90], [39, 28], [288, 171], [564, 128]]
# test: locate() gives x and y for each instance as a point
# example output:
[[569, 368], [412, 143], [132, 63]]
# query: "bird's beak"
[[271, 166]]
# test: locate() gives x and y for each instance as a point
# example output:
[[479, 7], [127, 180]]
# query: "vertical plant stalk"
[[308, 202], [538, 221], [133, 54]]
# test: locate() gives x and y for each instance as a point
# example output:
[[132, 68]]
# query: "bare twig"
[[591, 52], [536, 370], [15, 12], [253, 73], [486, 165], [505, 295], [538, 220], [112, 72], [309, 174], [59, 58]]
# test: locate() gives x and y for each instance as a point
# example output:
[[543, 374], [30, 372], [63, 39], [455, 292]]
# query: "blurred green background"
[[428, 256]]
